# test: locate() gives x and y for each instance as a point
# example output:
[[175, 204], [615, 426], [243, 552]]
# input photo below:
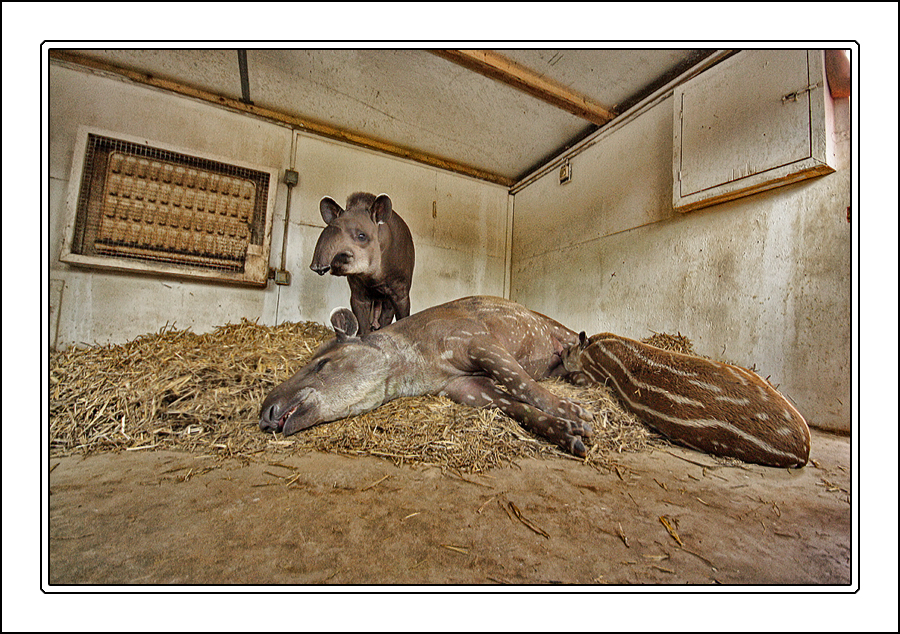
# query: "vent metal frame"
[[249, 267]]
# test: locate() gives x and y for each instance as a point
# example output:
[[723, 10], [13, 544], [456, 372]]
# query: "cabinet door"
[[758, 120]]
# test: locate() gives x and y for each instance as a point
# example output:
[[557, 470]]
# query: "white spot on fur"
[[735, 401], [706, 386], [736, 372]]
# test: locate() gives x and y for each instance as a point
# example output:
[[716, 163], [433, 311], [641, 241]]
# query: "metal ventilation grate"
[[154, 205]]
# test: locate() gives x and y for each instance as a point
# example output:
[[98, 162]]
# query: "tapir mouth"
[[295, 419], [321, 270], [299, 416], [341, 264]]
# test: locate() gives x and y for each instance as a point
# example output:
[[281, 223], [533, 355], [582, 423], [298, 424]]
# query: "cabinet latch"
[[796, 95]]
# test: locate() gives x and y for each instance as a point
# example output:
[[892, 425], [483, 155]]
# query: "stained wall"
[[763, 281]]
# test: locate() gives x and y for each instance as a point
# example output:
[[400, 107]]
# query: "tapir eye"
[[321, 364], [362, 237]]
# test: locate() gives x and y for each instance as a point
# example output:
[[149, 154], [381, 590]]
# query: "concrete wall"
[[761, 281], [458, 227], [458, 224]]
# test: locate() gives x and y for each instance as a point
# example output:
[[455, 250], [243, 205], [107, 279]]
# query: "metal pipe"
[[287, 219], [291, 178], [245, 76]]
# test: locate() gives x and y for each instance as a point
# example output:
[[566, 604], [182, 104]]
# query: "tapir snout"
[[336, 266], [288, 416], [333, 252]]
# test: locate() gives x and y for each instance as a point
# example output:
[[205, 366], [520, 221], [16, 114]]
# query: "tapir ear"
[[344, 323], [582, 339], [329, 209], [382, 209]]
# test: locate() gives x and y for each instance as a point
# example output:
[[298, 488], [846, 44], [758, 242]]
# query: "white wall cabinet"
[[758, 120]]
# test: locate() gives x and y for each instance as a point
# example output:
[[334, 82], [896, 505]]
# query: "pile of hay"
[[673, 343], [173, 389], [202, 393]]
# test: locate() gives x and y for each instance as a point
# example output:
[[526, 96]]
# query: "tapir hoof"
[[576, 447]]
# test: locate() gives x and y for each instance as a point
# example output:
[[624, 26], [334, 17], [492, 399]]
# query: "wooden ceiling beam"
[[290, 120], [500, 68]]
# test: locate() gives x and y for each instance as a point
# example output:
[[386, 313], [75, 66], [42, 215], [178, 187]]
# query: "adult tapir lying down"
[[371, 245], [480, 351]]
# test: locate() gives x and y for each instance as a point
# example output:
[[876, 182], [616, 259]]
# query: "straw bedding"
[[202, 393]]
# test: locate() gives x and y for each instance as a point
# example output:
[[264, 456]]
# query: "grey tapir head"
[[345, 377], [350, 243]]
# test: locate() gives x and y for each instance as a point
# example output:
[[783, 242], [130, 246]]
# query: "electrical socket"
[[565, 173]]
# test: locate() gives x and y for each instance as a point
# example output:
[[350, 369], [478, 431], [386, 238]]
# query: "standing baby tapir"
[[715, 407], [371, 245], [480, 351]]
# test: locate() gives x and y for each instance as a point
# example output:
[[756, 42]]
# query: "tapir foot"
[[568, 425], [565, 433], [582, 418]]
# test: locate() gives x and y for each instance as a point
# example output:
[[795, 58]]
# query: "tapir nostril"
[[269, 419]]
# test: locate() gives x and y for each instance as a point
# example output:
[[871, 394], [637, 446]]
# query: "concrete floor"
[[661, 517]]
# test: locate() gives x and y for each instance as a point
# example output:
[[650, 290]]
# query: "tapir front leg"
[[386, 314], [481, 391], [366, 311], [401, 305], [536, 408], [503, 367]]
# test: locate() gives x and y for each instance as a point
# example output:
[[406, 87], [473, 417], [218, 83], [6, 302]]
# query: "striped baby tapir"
[[714, 407]]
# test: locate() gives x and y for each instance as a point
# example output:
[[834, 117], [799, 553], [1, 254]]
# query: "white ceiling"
[[420, 101]]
